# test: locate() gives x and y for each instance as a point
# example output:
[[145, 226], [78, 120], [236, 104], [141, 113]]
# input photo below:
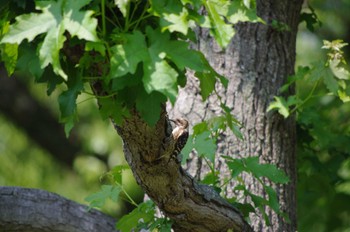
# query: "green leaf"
[[207, 84], [273, 200], [221, 31], [117, 173], [149, 106], [163, 224], [174, 17], [236, 167], [9, 54], [50, 50], [338, 71], [67, 99], [178, 52], [187, 149], [205, 146], [343, 96], [123, 5], [96, 46], [310, 19], [107, 191], [211, 178], [177, 22], [160, 76], [281, 105], [330, 82], [200, 128], [299, 75], [125, 57], [111, 108], [67, 103], [29, 62], [28, 26], [79, 23], [144, 211], [232, 122], [55, 18], [267, 170], [245, 209], [317, 72], [239, 12], [257, 200]]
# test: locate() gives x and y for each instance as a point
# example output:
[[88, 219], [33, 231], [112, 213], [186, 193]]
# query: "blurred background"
[[35, 153], [323, 129]]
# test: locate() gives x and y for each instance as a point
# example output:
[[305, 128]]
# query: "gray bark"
[[34, 210], [257, 63]]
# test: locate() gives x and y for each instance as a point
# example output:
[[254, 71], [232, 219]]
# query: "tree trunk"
[[32, 210], [257, 63]]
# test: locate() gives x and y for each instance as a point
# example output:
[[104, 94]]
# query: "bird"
[[180, 135]]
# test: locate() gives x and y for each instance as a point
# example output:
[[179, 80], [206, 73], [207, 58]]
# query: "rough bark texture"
[[33, 210], [192, 206], [257, 63]]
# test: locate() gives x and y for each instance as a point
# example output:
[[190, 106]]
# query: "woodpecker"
[[180, 135]]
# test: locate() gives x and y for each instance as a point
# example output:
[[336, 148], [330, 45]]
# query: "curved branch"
[[192, 207], [24, 209]]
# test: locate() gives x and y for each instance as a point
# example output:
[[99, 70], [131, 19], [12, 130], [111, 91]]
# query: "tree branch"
[[24, 209], [192, 207]]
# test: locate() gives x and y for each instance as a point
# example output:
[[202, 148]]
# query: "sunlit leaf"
[[281, 105], [122, 5], [126, 56], [221, 31]]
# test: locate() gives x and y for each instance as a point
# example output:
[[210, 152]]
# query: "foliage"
[[135, 50], [321, 104], [332, 72], [203, 142], [130, 46]]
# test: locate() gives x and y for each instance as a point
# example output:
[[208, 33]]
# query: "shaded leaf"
[[267, 170], [149, 106], [205, 146], [145, 212], [207, 84], [107, 191], [273, 200]]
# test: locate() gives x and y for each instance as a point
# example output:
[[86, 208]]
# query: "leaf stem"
[[103, 11], [306, 99], [128, 196]]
